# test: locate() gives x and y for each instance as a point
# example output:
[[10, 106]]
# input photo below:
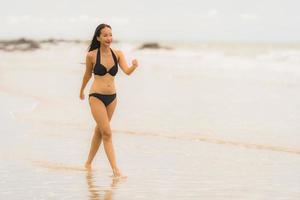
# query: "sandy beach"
[[208, 121]]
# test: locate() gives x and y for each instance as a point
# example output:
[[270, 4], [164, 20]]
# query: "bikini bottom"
[[105, 98]]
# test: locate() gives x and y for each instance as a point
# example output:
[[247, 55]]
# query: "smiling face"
[[105, 37]]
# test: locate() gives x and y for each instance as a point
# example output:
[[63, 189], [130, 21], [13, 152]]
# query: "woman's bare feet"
[[117, 174], [88, 166]]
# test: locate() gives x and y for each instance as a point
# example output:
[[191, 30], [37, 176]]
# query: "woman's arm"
[[123, 64], [87, 75]]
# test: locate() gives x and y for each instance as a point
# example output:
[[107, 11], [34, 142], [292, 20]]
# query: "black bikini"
[[101, 70], [105, 98]]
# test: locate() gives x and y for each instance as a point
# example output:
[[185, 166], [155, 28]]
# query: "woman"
[[103, 62]]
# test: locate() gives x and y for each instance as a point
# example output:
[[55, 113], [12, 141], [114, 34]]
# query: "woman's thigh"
[[111, 108], [99, 113]]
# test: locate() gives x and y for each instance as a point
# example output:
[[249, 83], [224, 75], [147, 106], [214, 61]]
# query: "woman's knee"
[[105, 132], [98, 130]]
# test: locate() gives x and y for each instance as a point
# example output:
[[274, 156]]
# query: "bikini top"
[[101, 70]]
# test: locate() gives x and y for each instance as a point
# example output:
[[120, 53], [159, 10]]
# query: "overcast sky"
[[155, 20]]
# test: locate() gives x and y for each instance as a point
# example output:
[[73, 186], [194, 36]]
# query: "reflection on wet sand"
[[57, 166], [97, 192]]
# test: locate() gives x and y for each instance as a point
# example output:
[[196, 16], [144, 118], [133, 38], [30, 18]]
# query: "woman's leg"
[[110, 110], [97, 137], [95, 144], [100, 114]]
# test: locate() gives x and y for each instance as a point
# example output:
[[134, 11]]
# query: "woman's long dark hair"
[[95, 44]]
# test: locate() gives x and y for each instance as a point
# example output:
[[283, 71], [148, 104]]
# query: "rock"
[[21, 44], [153, 45]]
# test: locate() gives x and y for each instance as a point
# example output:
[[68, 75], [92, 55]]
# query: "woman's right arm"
[[87, 75]]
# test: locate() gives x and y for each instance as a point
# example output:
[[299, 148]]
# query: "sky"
[[155, 20]]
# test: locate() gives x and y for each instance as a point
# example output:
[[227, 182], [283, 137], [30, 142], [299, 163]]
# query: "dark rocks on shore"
[[21, 44], [153, 45], [56, 41]]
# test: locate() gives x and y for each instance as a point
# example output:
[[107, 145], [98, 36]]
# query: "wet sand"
[[189, 124]]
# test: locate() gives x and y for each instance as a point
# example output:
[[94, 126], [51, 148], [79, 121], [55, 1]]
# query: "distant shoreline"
[[26, 44]]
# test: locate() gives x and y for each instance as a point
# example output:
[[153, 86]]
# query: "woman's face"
[[105, 37]]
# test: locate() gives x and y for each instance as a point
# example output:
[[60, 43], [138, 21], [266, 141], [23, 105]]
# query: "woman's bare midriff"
[[103, 84]]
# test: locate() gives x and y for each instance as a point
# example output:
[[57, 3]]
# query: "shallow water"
[[194, 122]]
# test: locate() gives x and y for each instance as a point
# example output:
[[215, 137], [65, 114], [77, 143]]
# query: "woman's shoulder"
[[118, 52], [91, 54]]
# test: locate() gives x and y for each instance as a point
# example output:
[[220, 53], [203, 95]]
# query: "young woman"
[[103, 62]]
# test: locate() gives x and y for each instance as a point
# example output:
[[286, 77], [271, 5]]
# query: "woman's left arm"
[[123, 64]]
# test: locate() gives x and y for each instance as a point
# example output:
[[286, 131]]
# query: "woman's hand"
[[81, 96], [135, 63]]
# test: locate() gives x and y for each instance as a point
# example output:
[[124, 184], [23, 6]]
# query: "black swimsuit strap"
[[114, 57], [98, 58]]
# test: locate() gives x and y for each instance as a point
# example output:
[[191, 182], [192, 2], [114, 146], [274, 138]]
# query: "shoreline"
[[30, 44]]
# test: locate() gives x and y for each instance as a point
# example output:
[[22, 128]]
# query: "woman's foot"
[[88, 166], [117, 174]]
